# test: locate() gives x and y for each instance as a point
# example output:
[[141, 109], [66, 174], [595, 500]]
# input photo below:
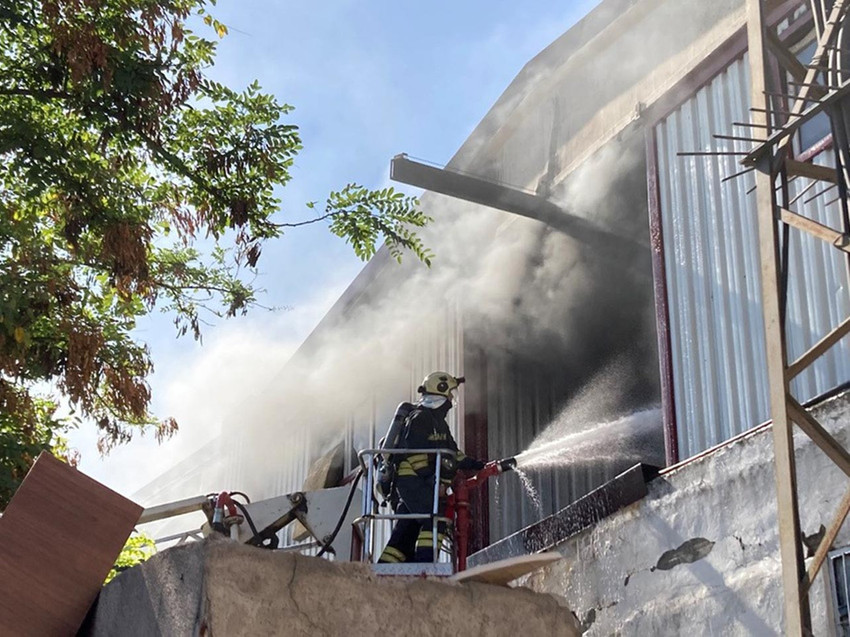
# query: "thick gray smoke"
[[573, 308], [524, 291], [525, 294]]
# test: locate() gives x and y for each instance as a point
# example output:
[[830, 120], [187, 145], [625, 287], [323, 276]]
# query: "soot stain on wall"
[[691, 551]]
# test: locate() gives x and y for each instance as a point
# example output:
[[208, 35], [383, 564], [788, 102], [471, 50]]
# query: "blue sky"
[[368, 80]]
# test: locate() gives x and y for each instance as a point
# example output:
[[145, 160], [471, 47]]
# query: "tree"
[[139, 548], [27, 427], [120, 161]]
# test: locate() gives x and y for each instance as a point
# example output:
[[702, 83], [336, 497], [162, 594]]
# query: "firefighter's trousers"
[[413, 540]]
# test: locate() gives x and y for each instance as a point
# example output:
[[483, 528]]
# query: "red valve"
[[457, 507]]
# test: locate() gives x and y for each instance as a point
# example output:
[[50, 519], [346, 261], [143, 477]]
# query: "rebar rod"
[[749, 125], [737, 138], [729, 153], [815, 85], [821, 193], [802, 193], [738, 174], [791, 97]]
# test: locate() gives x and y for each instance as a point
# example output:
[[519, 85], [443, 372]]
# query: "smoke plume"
[[522, 292]]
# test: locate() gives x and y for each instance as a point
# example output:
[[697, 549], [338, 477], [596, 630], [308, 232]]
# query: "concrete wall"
[[220, 588], [700, 553]]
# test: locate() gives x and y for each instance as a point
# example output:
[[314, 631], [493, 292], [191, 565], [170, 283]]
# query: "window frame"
[[800, 34], [835, 617]]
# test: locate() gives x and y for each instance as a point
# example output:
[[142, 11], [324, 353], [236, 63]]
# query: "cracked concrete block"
[[160, 598], [216, 588]]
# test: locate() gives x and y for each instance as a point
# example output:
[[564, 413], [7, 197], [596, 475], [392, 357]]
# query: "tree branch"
[[173, 160], [306, 223], [176, 288], [39, 93], [180, 166]]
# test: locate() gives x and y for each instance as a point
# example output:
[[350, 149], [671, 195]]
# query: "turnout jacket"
[[427, 429]]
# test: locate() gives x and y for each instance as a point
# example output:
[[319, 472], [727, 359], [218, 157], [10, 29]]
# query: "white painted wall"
[[609, 575]]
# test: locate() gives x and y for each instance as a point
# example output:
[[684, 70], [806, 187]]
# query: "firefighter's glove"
[[448, 465], [507, 464], [444, 490]]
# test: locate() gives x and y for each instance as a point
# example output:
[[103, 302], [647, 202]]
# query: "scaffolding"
[[777, 114]]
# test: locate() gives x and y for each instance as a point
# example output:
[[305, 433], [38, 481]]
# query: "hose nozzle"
[[507, 464]]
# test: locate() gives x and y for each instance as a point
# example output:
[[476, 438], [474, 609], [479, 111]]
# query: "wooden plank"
[[820, 57], [797, 116], [818, 230], [59, 537], [797, 617], [820, 436], [788, 60], [827, 541], [818, 349], [810, 170], [505, 571]]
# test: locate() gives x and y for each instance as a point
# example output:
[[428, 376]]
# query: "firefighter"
[[425, 428]]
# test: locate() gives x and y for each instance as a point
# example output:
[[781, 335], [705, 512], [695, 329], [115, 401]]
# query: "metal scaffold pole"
[[822, 90]]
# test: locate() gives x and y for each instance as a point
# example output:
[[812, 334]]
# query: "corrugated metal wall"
[[524, 405], [713, 281]]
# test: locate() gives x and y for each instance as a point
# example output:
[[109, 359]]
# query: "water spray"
[[635, 437], [627, 438]]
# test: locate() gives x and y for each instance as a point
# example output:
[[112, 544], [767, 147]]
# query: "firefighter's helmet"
[[440, 383]]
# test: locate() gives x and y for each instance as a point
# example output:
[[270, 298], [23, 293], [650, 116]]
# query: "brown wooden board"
[[59, 537], [505, 571]]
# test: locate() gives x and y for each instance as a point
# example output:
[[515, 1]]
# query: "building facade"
[[604, 123]]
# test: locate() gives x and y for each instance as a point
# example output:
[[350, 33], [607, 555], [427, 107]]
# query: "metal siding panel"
[[819, 293], [713, 277], [705, 265], [522, 407]]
